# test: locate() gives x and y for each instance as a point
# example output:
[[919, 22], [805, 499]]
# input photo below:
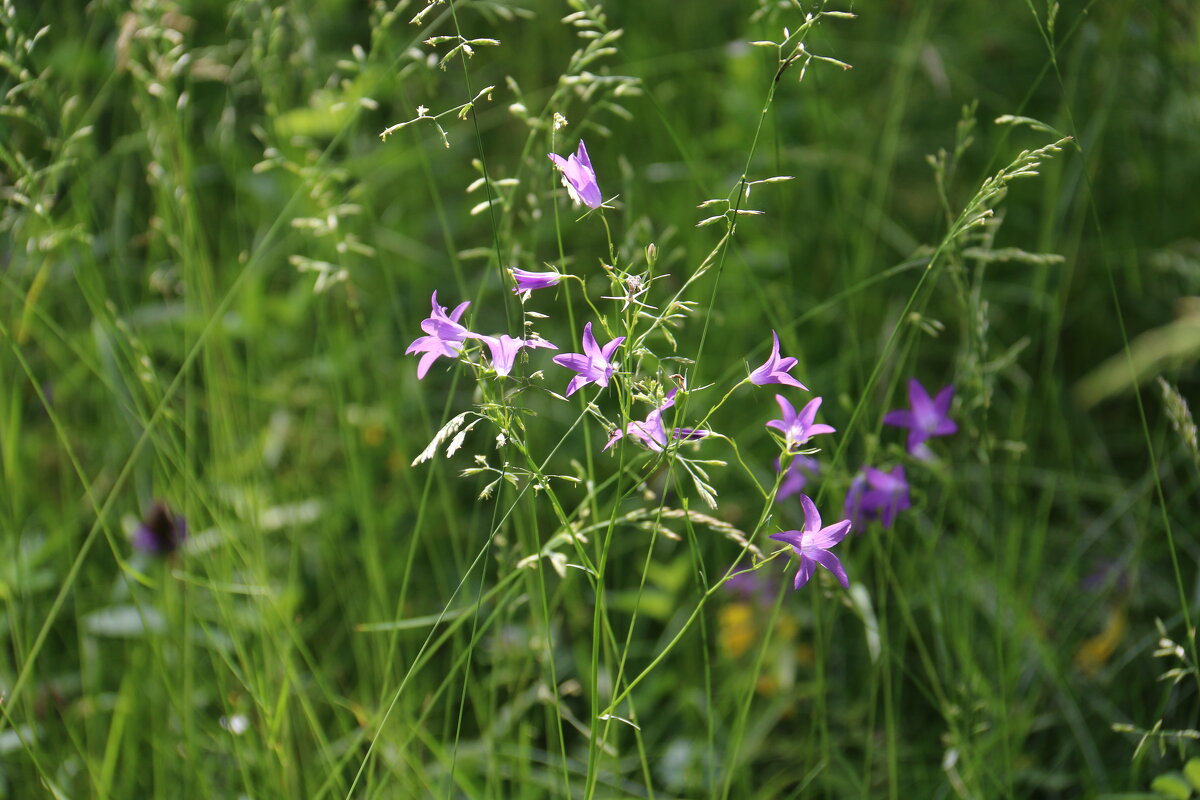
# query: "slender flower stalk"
[[775, 369], [813, 543], [594, 364]]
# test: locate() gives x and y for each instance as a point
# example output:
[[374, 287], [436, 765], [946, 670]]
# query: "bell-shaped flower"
[[594, 364], [579, 177], [445, 336], [924, 418], [798, 428], [504, 350], [775, 369], [527, 281], [813, 543], [651, 432]]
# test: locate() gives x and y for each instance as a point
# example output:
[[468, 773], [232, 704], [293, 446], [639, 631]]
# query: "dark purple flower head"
[[814, 543], [161, 532], [798, 428], [445, 337], [776, 369], [798, 473], [651, 432], [579, 177], [594, 364], [504, 350], [875, 494], [924, 418], [529, 281]]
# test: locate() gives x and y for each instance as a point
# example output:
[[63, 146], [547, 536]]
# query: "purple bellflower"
[[798, 473], [445, 337], [504, 350], [751, 586], [798, 428], [161, 532], [875, 494], [814, 543], [651, 432], [925, 417], [579, 177], [776, 369], [594, 364], [529, 281]]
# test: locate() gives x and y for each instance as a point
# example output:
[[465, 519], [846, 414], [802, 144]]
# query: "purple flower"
[[528, 281], [875, 494], [504, 350], [445, 337], [775, 370], [813, 544], [751, 586], [651, 431], [925, 418], [579, 177], [594, 364], [798, 428], [798, 472], [161, 532]]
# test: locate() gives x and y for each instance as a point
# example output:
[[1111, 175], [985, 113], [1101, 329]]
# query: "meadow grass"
[[211, 264]]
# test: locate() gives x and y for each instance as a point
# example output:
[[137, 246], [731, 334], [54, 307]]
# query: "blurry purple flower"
[[1109, 574], [888, 495], [875, 494], [798, 428], [775, 370], [752, 586], [504, 350], [161, 532], [594, 364], [924, 418], [814, 543], [579, 177], [528, 281], [651, 431], [798, 472], [445, 337]]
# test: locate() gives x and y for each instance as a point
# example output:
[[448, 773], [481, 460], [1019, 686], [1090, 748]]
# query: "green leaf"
[[1172, 785], [1191, 770]]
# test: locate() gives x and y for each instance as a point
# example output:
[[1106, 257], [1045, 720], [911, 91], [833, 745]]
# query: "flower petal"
[[812, 517], [830, 562]]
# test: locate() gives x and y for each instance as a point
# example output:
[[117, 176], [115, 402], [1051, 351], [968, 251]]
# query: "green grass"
[[210, 268]]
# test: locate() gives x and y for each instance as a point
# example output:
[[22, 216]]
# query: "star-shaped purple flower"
[[798, 428], [594, 364], [924, 418], [798, 473], [445, 337], [579, 177], [529, 281], [814, 543], [651, 432], [504, 350], [776, 369], [875, 494]]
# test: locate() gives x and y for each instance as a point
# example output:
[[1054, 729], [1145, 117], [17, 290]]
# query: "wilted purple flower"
[[528, 281], [594, 364], [445, 337], [504, 350], [775, 370], [579, 177], [798, 428], [798, 472], [651, 431], [875, 494], [924, 418], [161, 532], [813, 544]]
